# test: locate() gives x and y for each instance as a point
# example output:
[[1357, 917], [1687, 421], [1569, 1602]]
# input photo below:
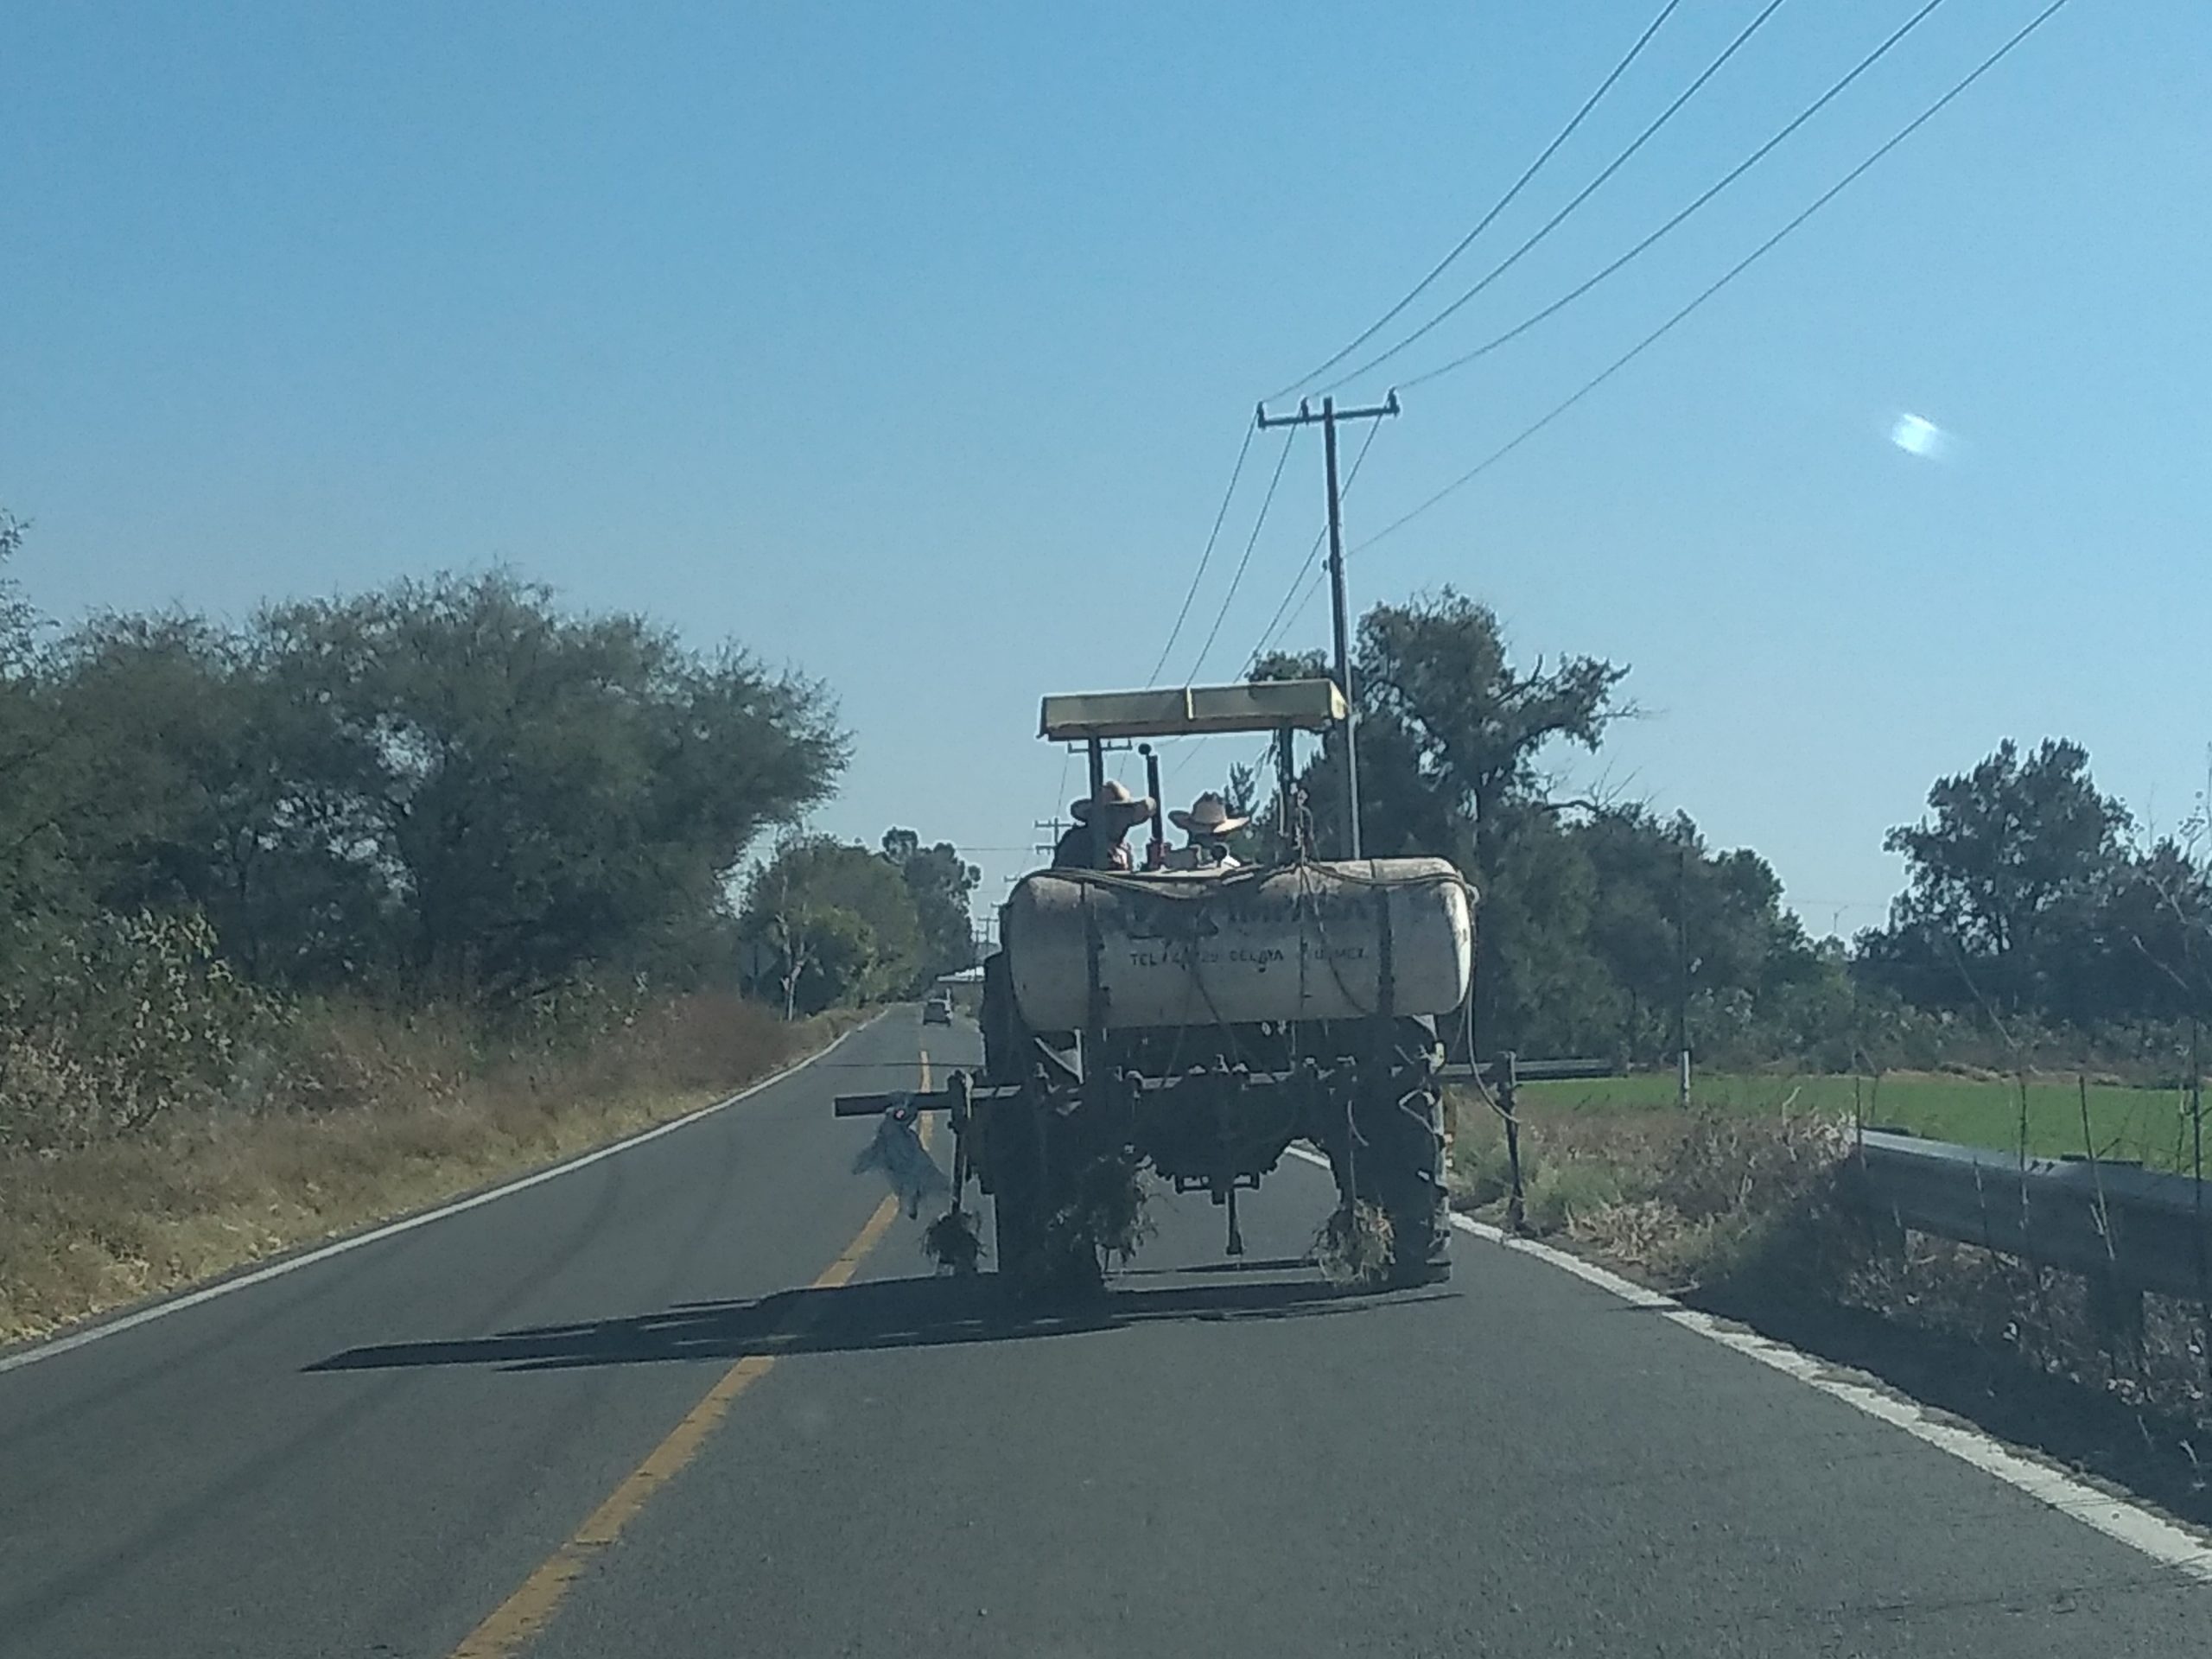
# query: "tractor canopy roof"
[[1193, 710]]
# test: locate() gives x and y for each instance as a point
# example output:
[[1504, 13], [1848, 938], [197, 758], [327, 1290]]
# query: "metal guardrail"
[[1529, 1070], [2126, 1228]]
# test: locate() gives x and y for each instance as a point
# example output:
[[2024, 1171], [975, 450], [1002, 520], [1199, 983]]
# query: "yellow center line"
[[515, 1622]]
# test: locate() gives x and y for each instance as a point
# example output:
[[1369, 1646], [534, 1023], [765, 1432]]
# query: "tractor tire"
[[1400, 1162], [1001, 1023], [1035, 1256]]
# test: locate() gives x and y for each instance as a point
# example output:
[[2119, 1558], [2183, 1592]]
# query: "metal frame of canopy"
[[1094, 719]]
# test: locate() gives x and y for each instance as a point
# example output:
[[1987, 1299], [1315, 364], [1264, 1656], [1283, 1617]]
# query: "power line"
[[1268, 633], [1330, 418], [1722, 183], [1205, 558], [1573, 202], [1734, 271], [1307, 575], [1192, 751], [1250, 542], [1305, 598], [1497, 208]]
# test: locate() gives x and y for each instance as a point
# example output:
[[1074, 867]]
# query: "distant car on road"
[[936, 1009]]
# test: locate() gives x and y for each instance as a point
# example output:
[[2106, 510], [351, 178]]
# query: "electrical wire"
[[1259, 523], [1573, 202], [1714, 189], [1279, 623], [1192, 751], [1205, 558], [1497, 207], [1267, 634], [1312, 587], [1730, 275]]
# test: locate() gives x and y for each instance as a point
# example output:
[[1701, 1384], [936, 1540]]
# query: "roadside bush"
[[1685, 1198], [122, 1020]]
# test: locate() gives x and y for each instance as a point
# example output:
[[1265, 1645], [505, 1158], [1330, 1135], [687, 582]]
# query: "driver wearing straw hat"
[[1209, 825], [1118, 812]]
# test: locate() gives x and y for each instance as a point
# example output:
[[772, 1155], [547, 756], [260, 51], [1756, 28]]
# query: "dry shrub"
[[2044, 1319], [1683, 1198], [1356, 1245], [121, 1020], [1565, 1193], [358, 1115], [702, 1040], [1730, 1199], [1107, 1210], [954, 1241]]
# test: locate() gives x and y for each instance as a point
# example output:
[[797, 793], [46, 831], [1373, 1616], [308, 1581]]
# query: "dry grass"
[[366, 1116], [1356, 1245], [1680, 1198]]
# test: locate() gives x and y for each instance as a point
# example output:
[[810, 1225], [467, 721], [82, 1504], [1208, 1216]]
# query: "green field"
[[2149, 1125]]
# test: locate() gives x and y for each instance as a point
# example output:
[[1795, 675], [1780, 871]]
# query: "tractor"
[[1198, 1022]]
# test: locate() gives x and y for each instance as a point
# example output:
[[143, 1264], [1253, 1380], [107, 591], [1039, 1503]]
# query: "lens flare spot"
[[1917, 435]]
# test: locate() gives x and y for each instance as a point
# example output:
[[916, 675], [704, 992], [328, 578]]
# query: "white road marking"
[[58, 1346], [2139, 1528]]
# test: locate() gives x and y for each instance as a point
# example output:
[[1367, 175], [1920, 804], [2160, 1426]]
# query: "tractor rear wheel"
[[1399, 1162], [1033, 1187]]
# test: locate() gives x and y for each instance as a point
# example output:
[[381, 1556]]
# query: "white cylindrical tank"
[[1308, 943]]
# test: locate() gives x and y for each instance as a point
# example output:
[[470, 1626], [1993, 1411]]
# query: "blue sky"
[[910, 346]]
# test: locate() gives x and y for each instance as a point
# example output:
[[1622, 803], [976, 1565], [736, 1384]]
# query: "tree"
[[1640, 868], [195, 763], [1586, 909], [940, 883], [49, 809], [2152, 957], [18, 621], [1451, 739], [540, 793], [2006, 880], [1250, 794], [836, 924], [30, 733], [452, 787]]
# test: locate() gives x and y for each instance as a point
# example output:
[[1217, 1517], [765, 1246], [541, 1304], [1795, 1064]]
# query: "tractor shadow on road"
[[918, 1312]]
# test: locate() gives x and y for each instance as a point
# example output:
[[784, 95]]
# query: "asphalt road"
[[606, 1416]]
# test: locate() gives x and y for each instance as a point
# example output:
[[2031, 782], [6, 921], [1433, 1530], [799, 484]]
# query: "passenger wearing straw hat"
[[1209, 824], [1118, 813]]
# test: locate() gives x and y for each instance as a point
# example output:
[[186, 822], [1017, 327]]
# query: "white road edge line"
[[56, 1346], [2152, 1534]]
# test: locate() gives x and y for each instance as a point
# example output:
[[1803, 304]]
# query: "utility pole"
[[1682, 953], [1339, 609]]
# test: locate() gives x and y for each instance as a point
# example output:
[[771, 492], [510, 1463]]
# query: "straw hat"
[[1120, 807], [1209, 816]]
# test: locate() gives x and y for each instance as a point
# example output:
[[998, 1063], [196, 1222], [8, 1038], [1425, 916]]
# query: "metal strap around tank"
[[1094, 951]]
